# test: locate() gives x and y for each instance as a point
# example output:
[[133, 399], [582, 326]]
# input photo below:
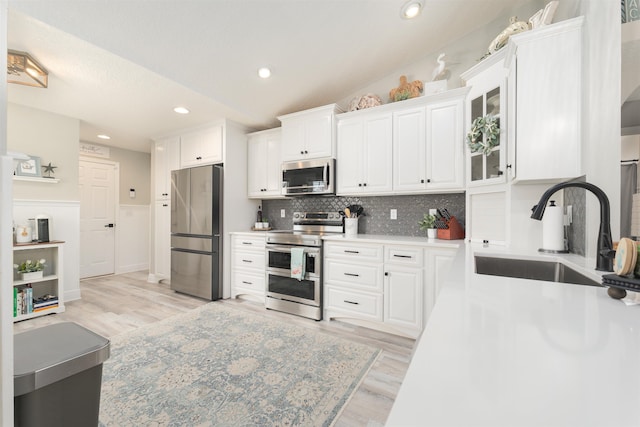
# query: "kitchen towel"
[[298, 259]]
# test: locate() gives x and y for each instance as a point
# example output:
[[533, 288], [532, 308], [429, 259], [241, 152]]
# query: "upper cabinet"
[[413, 146], [264, 164], [309, 134], [545, 75], [201, 147], [487, 98], [364, 154]]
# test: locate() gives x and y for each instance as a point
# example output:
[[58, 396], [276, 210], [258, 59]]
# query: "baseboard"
[[131, 268]]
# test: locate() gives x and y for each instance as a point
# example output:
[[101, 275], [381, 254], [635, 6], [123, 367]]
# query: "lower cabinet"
[[248, 266], [386, 287]]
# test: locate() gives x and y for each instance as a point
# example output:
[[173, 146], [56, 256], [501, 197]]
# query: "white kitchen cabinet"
[[545, 71], [309, 134], [201, 147], [364, 154], [380, 285], [248, 266], [444, 144], [26, 291], [166, 157], [162, 241], [409, 149], [487, 96], [264, 164]]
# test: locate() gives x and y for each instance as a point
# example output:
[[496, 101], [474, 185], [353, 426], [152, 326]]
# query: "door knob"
[[109, 226]]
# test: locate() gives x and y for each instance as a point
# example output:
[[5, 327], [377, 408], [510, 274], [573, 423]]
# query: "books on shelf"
[[24, 303]]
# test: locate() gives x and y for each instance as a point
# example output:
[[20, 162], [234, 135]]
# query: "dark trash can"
[[57, 376]]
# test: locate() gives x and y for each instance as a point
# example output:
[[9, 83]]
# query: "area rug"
[[223, 366]]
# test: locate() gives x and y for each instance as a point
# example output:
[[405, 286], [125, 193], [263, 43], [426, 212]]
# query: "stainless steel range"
[[289, 294]]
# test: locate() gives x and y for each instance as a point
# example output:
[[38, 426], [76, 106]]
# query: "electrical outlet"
[[433, 212], [569, 214], [394, 214], [282, 214]]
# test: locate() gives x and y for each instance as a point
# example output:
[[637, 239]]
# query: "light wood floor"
[[111, 305]]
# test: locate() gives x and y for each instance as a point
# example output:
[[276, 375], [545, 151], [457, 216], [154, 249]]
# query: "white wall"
[[132, 245]]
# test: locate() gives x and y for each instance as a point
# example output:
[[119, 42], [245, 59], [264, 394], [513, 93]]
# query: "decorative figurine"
[[48, 170]]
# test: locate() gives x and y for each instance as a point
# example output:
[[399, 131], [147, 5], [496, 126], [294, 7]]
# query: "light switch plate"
[[282, 214], [393, 214]]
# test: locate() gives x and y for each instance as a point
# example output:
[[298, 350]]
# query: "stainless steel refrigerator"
[[196, 224]]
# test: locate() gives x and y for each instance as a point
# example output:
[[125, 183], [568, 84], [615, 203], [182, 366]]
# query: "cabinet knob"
[[359, 185], [428, 180], [508, 166], [500, 173], [198, 158], [422, 181], [386, 273], [306, 152], [364, 185], [301, 152]]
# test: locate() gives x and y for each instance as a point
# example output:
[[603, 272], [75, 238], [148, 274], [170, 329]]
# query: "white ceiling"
[[121, 66]]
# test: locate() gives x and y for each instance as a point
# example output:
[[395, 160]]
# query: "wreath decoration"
[[487, 126]]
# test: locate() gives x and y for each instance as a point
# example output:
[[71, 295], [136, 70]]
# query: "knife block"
[[454, 230]]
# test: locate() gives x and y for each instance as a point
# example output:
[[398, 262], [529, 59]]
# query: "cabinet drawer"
[[364, 252], [403, 255], [249, 259], [364, 276], [249, 242], [248, 281], [362, 304]]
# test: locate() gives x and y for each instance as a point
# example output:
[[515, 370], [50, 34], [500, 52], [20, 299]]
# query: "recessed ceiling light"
[[103, 136], [411, 9], [264, 72], [181, 110]]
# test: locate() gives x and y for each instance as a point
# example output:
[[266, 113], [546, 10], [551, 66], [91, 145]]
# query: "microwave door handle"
[[325, 173]]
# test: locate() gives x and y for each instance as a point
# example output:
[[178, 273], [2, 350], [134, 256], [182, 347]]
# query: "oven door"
[[280, 284]]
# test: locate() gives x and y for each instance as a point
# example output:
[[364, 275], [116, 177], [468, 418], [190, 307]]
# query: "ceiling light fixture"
[[23, 69], [411, 9], [181, 110], [264, 73], [103, 136]]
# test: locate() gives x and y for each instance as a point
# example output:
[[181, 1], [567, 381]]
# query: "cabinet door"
[[201, 147], [319, 135], [166, 157], [437, 265], [444, 145], [162, 248], [293, 133], [349, 162], [403, 298], [273, 173], [378, 153], [256, 166], [409, 169]]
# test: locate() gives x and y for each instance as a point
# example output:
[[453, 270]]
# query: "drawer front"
[[248, 281], [357, 251], [247, 259], [403, 255], [363, 305], [249, 242], [356, 275]]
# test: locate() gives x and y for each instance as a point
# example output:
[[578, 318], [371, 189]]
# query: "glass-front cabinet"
[[485, 138]]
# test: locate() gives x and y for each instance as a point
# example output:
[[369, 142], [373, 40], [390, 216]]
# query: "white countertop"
[[397, 240], [498, 351]]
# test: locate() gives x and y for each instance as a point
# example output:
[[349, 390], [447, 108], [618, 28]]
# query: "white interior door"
[[97, 218]]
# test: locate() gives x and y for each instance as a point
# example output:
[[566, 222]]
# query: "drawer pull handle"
[[247, 243], [247, 283], [246, 260], [352, 274], [351, 252], [402, 256], [352, 302]]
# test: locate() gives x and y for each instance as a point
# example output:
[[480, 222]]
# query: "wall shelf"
[[36, 179]]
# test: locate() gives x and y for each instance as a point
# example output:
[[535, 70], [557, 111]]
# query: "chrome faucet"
[[604, 261]]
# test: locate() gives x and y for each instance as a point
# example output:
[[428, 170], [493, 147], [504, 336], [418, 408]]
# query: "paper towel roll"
[[552, 231]]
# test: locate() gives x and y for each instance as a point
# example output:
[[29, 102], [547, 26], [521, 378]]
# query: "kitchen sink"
[[529, 269]]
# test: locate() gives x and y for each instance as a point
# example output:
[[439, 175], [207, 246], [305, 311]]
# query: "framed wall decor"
[[29, 167]]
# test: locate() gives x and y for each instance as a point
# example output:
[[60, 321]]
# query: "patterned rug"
[[220, 366]]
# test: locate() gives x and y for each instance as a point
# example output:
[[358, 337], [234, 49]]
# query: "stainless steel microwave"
[[316, 176]]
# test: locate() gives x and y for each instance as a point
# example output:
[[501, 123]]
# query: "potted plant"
[[30, 270], [428, 223], [265, 223]]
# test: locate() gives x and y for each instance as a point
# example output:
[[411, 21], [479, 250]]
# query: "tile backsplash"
[[376, 219], [576, 235]]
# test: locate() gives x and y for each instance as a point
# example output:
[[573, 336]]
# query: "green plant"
[[427, 222], [29, 266]]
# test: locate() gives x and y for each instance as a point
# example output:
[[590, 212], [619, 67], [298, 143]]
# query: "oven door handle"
[[313, 252]]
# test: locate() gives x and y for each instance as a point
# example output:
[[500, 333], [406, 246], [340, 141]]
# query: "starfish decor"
[[49, 170]]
